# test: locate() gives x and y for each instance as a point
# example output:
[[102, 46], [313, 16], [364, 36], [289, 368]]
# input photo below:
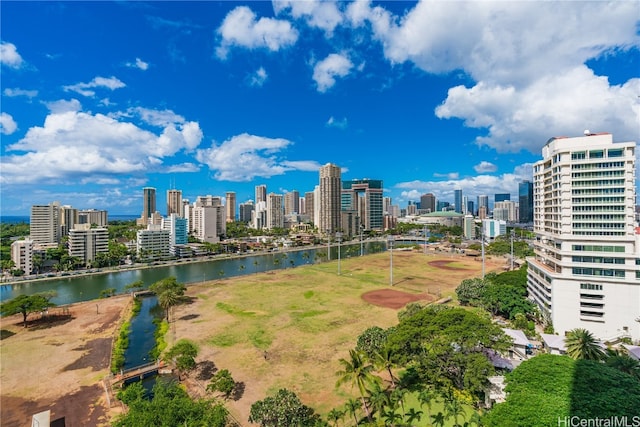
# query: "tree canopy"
[[26, 304], [283, 410], [170, 406], [549, 387]]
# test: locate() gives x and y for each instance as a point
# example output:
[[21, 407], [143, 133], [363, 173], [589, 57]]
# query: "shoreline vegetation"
[[121, 341]]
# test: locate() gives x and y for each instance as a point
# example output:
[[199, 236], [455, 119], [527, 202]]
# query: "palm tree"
[[454, 409], [413, 415], [426, 397], [397, 396], [581, 344], [357, 373], [168, 299], [352, 407], [623, 363], [334, 415], [383, 360], [390, 417], [378, 398], [438, 419]]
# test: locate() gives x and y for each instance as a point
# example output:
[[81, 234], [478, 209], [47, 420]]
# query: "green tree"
[[470, 291], [282, 410], [371, 342], [335, 415], [26, 304], [169, 293], [378, 397], [581, 344], [438, 419], [222, 382], [358, 373], [384, 359], [170, 406], [455, 410], [413, 415], [623, 363], [134, 286], [183, 354]]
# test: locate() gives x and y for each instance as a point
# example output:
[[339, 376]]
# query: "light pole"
[[390, 247], [482, 246], [328, 245], [361, 243], [424, 237], [339, 239], [512, 249]]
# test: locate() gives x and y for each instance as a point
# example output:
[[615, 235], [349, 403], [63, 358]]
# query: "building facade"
[[85, 242], [275, 211], [329, 198], [525, 198], [230, 206], [174, 202], [428, 202], [364, 196], [153, 243], [44, 224], [586, 269], [22, 255], [457, 196], [292, 202], [93, 216]]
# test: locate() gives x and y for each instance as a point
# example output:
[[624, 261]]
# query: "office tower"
[[177, 228], [329, 192], [292, 202], [457, 195], [442, 206], [246, 210], [303, 205], [525, 196], [483, 202], [275, 211], [148, 205], [230, 206], [217, 209], [505, 211], [585, 272], [85, 242], [68, 219], [492, 228], [174, 202], [412, 209], [469, 227], [470, 207], [364, 196], [93, 216], [309, 205], [465, 203], [428, 203], [22, 255], [261, 193], [501, 197], [44, 224]]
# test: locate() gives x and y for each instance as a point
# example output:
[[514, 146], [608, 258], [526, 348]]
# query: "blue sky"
[[102, 99]]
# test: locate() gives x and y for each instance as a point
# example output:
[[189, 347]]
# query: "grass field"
[[289, 328]]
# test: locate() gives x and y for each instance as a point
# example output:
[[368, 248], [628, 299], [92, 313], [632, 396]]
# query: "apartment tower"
[[329, 198], [174, 203], [230, 206], [586, 269]]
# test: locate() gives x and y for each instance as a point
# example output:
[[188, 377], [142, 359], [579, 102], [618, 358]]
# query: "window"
[[578, 155], [616, 153], [596, 154]]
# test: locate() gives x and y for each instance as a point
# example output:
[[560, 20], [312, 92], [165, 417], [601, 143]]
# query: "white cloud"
[[484, 167], [139, 63], [84, 89], [160, 118], [470, 186], [74, 145], [325, 71], [527, 87], [9, 55], [318, 14], [242, 28], [62, 106], [20, 92], [565, 104], [340, 124], [183, 167], [449, 175], [302, 165], [246, 157], [7, 124], [259, 77]]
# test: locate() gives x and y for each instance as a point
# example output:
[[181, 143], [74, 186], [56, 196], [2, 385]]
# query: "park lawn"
[[289, 328]]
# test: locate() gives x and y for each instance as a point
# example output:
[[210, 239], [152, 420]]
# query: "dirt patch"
[[444, 265], [390, 298], [95, 355]]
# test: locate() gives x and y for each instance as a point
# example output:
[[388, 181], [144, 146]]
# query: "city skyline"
[[100, 100]]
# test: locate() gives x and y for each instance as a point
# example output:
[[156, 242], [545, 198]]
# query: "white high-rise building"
[[22, 255], [153, 243], [44, 224], [86, 243], [586, 269], [330, 204], [275, 211]]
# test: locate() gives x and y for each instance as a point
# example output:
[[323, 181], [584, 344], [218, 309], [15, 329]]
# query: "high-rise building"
[[309, 205], [44, 224], [246, 209], [428, 202], [501, 197], [174, 202], [261, 193], [330, 190], [458, 200], [231, 206], [148, 204], [364, 196], [275, 211], [470, 207], [483, 202], [22, 255], [177, 228], [292, 202], [217, 209], [586, 273], [386, 206], [85, 242], [68, 219], [465, 203], [93, 216], [525, 197], [153, 243], [505, 211]]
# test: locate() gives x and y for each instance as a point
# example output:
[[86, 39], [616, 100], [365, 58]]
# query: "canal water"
[[87, 287], [142, 338]]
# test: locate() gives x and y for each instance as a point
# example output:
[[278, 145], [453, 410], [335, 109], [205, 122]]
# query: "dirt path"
[[58, 363]]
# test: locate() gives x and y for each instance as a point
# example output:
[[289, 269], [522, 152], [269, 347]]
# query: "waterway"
[[86, 287]]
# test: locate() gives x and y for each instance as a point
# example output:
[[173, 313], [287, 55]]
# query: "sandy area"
[[58, 363]]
